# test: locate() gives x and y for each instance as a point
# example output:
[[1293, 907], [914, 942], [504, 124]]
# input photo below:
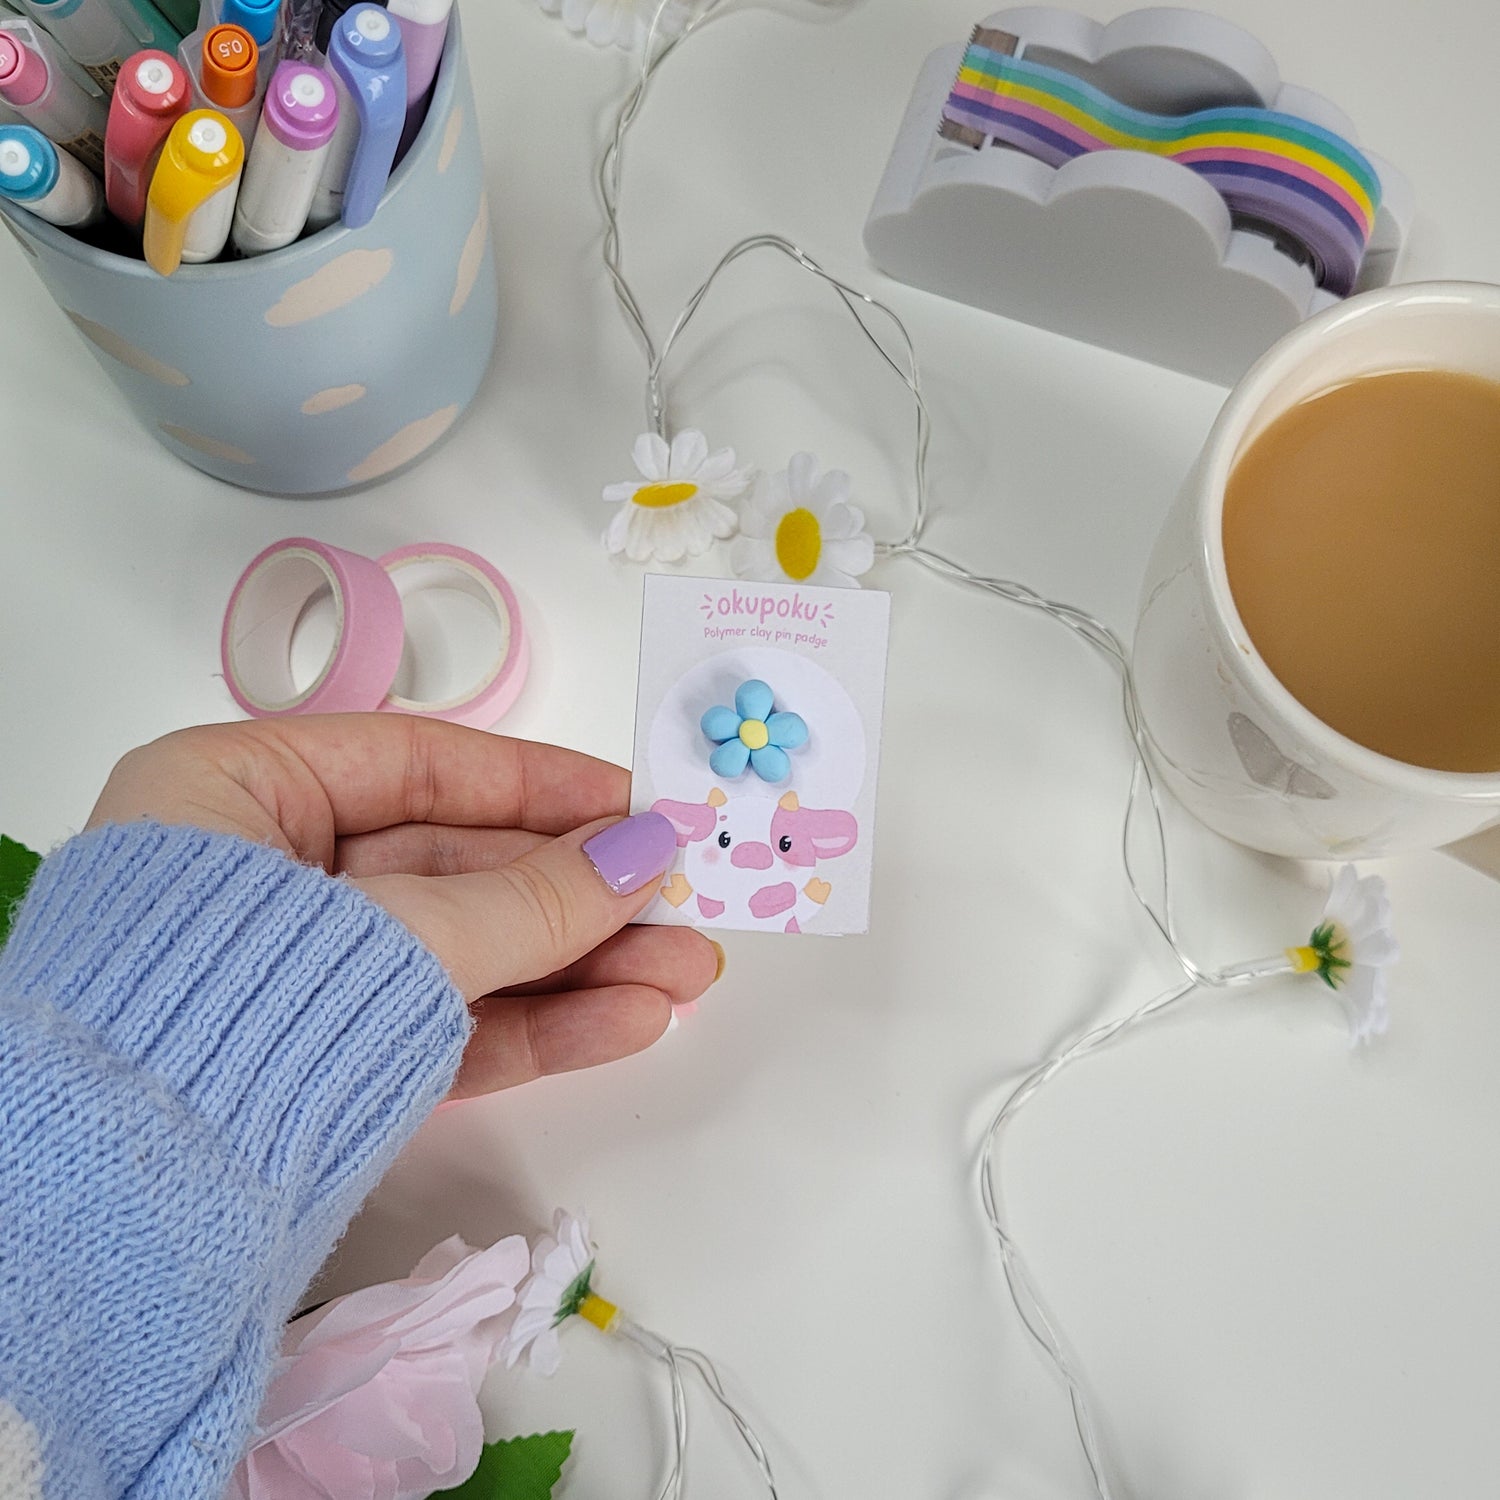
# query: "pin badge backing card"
[[757, 734]]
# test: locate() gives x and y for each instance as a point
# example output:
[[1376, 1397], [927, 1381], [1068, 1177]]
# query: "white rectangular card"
[[773, 797]]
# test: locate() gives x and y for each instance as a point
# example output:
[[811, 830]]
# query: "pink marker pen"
[[152, 91], [46, 97], [100, 36]]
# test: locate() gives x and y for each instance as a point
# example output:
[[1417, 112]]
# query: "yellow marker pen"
[[190, 208]]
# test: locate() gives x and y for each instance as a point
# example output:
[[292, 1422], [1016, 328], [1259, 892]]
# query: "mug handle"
[[1480, 851]]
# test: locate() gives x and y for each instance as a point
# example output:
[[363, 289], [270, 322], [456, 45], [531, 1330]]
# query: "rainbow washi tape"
[[1273, 170]]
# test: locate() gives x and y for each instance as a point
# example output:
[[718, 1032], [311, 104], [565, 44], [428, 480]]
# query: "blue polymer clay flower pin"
[[751, 734]]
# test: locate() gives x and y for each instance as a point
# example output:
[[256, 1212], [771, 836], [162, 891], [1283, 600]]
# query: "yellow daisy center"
[[663, 496], [1304, 960], [799, 543], [754, 735], [598, 1311]]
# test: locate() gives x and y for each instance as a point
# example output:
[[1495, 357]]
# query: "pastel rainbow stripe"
[[1305, 181]]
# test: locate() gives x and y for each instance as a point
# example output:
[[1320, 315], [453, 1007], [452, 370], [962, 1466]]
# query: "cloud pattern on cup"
[[360, 357]]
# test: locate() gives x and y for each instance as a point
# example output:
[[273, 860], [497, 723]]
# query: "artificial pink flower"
[[375, 1395]]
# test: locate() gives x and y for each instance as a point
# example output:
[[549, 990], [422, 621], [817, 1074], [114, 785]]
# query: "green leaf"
[[17, 866], [576, 1295], [523, 1468]]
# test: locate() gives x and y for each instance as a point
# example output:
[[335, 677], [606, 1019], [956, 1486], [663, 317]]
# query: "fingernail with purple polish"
[[633, 852]]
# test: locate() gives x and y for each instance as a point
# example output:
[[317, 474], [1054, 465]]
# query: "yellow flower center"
[[663, 496], [1304, 960], [598, 1311], [754, 735], [799, 543]]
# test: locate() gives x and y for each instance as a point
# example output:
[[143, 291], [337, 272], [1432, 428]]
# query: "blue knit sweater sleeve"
[[208, 1056]]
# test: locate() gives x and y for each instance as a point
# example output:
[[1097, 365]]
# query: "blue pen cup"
[[322, 367]]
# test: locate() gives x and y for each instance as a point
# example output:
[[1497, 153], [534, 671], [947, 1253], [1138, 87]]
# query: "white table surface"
[[1273, 1258]]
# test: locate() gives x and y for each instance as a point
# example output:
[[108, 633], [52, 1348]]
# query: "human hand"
[[477, 844]]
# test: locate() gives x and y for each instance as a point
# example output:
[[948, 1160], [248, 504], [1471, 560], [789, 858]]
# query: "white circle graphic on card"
[[753, 853]]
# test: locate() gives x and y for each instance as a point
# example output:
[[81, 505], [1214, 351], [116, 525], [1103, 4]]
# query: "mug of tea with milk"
[[1317, 655]]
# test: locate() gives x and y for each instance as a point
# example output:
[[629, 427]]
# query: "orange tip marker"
[[190, 208], [229, 78], [230, 57]]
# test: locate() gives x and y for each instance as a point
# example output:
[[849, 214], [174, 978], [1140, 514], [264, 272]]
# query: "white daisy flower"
[[560, 1285], [799, 527], [1350, 950], [679, 510], [618, 23]]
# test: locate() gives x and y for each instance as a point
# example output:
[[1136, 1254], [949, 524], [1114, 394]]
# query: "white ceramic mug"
[[1237, 749]]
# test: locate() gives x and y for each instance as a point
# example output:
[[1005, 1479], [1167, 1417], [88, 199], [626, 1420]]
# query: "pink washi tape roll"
[[274, 593], [436, 565]]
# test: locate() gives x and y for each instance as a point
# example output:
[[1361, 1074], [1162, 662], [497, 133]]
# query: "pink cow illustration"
[[750, 860]]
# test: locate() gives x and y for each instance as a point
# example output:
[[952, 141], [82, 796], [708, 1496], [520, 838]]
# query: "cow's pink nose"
[[751, 857]]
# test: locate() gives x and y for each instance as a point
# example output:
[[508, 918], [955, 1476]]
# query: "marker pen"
[[191, 203], [95, 35], [258, 17], [296, 129], [299, 29], [369, 72], [151, 92], [8, 116], [225, 76], [148, 19], [181, 15], [34, 82], [330, 14], [50, 183], [424, 29]]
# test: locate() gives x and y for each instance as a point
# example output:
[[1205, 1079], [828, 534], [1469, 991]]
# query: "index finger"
[[380, 770]]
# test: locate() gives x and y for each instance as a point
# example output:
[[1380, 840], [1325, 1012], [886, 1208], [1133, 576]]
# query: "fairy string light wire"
[[1349, 949], [561, 1288]]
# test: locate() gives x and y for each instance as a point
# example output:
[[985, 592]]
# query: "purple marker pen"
[[296, 125], [424, 29]]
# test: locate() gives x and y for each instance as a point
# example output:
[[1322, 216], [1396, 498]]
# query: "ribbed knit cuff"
[[300, 1020], [211, 1053]]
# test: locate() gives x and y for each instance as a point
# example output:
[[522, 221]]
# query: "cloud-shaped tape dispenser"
[[1157, 189]]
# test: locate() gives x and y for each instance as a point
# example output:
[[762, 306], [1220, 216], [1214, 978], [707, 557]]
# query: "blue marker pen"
[[330, 13], [50, 183], [258, 17], [368, 65]]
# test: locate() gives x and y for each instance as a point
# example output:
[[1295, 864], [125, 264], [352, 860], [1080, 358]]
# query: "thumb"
[[539, 913]]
